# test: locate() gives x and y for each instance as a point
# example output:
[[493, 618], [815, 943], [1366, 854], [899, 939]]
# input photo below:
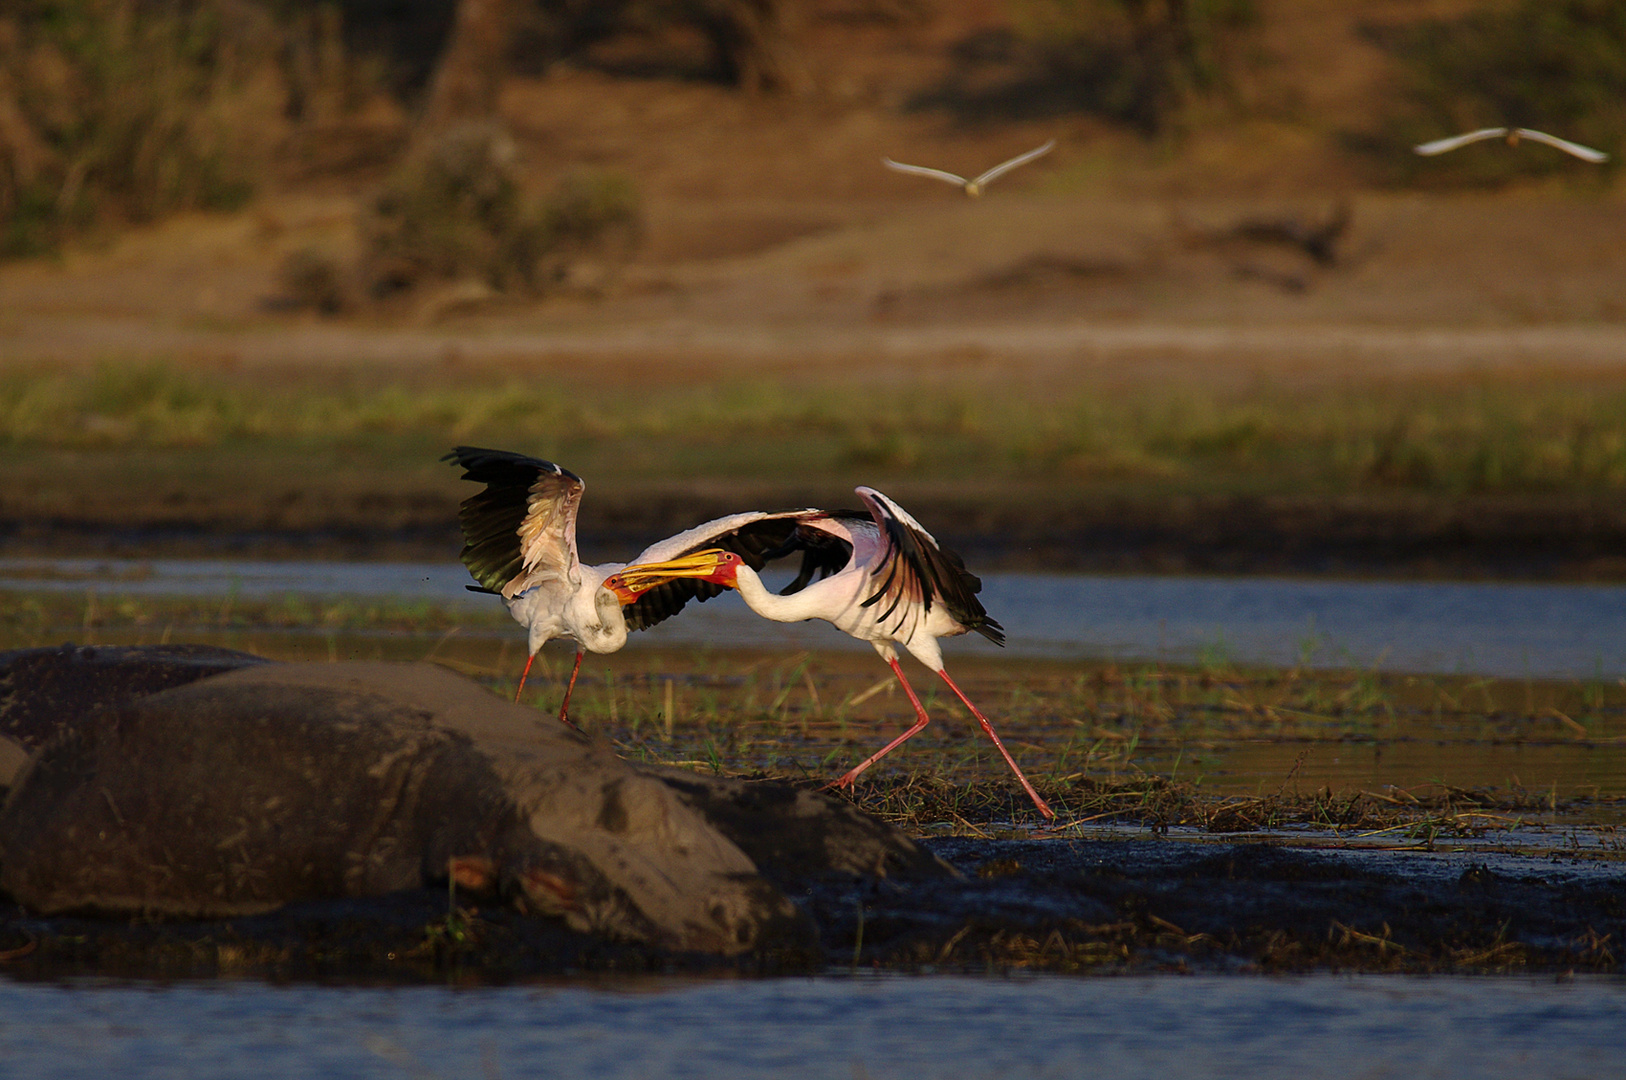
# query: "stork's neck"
[[593, 615], [797, 607]]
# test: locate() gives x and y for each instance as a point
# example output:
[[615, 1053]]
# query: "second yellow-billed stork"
[[883, 579], [519, 542]]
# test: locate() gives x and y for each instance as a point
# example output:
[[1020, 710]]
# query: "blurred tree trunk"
[[470, 73]]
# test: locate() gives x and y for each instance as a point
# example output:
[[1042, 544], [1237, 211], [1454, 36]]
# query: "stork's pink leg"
[[520, 689], [920, 711], [564, 706], [989, 728]]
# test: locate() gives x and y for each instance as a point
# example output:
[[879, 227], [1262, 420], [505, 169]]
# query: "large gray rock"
[[40, 688], [273, 783]]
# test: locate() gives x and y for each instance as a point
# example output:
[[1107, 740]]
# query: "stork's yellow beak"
[[634, 581]]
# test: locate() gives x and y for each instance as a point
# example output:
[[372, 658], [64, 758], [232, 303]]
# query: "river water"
[[839, 1027], [1505, 630]]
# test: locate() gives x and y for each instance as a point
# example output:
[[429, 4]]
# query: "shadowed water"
[[841, 1028], [1510, 631]]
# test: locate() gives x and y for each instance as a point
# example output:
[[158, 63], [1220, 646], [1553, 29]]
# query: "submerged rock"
[[274, 783]]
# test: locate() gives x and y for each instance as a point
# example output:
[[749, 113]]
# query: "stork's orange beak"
[[712, 564]]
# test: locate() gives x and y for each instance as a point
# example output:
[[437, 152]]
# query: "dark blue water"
[[1512, 631], [842, 1028]]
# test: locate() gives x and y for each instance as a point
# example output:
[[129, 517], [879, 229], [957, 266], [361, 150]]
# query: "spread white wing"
[[921, 170], [1585, 153], [1006, 166], [1440, 146]]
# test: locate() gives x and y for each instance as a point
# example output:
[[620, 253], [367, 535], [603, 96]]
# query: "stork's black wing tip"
[[462, 455], [991, 630]]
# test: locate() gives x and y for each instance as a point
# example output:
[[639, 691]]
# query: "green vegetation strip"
[[1466, 434]]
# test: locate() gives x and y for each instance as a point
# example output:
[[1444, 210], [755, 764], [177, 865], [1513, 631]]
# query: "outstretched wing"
[[757, 537], [1019, 160], [1440, 146], [1585, 153], [521, 530], [921, 170], [914, 569]]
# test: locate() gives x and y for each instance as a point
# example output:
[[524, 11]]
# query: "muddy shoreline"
[[1467, 538], [1089, 906]]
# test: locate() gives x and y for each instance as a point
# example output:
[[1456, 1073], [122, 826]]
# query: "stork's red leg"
[[529, 660], [564, 706], [920, 711], [989, 728]]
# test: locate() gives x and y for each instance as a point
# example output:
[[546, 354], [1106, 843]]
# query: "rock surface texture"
[[267, 784], [41, 689]]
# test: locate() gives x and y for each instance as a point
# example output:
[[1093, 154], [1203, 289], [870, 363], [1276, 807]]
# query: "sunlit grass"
[[1464, 435]]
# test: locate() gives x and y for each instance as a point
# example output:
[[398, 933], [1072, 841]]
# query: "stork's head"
[[713, 564]]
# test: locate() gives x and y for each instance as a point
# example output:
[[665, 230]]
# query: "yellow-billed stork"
[[882, 579], [519, 542], [972, 188], [1512, 135]]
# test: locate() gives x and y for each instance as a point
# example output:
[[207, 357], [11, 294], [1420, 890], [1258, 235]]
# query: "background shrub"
[[457, 209]]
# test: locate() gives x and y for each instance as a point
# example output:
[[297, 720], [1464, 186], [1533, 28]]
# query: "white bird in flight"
[[882, 579], [1512, 135], [519, 538], [972, 188]]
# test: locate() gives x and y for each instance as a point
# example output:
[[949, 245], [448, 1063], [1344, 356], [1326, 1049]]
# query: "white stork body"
[[1512, 135], [974, 187], [520, 543], [895, 586]]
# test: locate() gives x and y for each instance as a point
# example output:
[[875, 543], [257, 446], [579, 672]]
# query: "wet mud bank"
[[1114, 905], [1381, 536], [1066, 906]]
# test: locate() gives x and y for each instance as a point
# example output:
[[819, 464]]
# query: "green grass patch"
[[1480, 434]]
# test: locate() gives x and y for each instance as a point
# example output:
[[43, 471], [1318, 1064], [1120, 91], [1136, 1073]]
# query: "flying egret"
[[972, 188], [1513, 135]]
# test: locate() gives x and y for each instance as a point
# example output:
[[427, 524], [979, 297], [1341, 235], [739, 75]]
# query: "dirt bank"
[[1100, 906], [1549, 539]]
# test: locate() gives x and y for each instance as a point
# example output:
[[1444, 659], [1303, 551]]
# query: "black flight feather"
[[491, 518]]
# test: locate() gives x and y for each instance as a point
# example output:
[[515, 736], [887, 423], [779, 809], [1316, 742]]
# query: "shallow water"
[[1565, 770], [842, 1027], [1509, 631]]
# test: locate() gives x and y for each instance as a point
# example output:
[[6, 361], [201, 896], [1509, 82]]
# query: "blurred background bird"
[[974, 187], [1512, 135]]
